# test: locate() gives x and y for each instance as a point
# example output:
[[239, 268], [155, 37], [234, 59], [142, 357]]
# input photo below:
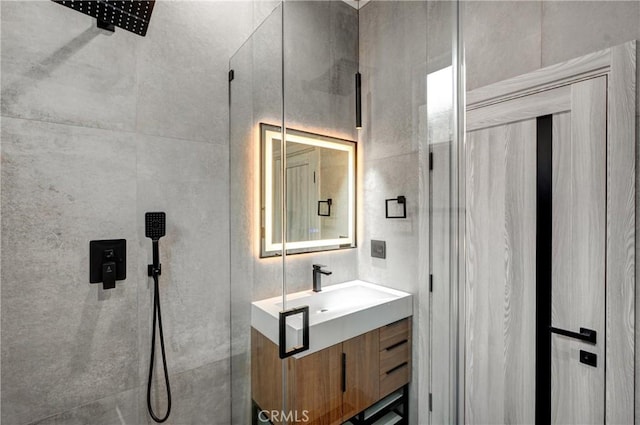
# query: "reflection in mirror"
[[320, 192]]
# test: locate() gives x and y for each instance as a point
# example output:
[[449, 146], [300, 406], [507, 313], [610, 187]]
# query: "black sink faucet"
[[317, 271]]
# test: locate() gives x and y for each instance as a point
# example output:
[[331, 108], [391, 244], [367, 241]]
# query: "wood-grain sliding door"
[[549, 297], [536, 257], [501, 263]]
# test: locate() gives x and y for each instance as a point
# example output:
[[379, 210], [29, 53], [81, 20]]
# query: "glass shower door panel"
[[444, 141], [256, 97]]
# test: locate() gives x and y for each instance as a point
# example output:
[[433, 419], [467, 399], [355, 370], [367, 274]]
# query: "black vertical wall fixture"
[[358, 100], [544, 181]]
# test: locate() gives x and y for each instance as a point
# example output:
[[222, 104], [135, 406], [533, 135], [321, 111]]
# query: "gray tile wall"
[[393, 62], [501, 39], [321, 56], [97, 129], [508, 38]]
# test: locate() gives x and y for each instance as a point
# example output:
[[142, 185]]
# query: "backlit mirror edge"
[[268, 248]]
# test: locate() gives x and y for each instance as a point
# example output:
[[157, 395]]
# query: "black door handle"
[[586, 335]]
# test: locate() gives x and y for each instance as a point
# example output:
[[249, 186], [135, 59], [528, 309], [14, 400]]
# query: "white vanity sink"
[[337, 313]]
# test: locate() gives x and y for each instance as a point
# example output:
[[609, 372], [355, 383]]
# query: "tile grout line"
[[135, 133]]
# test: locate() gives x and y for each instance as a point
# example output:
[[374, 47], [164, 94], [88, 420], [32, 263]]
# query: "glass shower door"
[[297, 74], [444, 122], [258, 378], [320, 47]]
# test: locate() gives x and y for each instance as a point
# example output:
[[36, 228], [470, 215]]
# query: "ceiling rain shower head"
[[131, 15]]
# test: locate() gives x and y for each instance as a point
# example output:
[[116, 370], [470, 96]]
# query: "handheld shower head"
[[155, 225], [155, 228]]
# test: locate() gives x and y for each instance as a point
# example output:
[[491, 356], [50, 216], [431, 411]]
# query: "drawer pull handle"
[[398, 344], [400, 366]]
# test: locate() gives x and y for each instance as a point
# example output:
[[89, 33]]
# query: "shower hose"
[[157, 314]]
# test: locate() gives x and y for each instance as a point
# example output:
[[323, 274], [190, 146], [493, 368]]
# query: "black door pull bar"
[[586, 335], [282, 336]]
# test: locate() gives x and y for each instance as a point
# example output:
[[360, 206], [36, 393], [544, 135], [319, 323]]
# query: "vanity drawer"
[[394, 378], [395, 355], [394, 333]]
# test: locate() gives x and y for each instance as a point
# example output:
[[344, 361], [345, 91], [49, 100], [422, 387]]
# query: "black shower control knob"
[[107, 262]]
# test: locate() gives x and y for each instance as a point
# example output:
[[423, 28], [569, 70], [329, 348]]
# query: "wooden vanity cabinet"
[[314, 382], [332, 385], [362, 380], [315, 386]]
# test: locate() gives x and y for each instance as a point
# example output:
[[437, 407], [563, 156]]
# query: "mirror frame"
[[269, 248]]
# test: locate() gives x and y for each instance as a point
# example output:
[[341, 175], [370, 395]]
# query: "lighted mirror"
[[320, 187]]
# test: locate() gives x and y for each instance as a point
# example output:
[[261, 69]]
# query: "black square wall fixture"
[[401, 202], [107, 262]]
